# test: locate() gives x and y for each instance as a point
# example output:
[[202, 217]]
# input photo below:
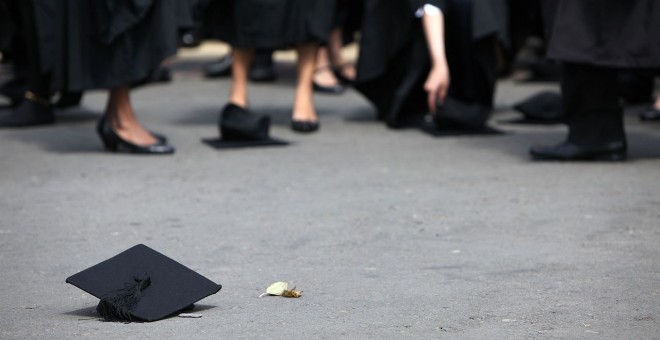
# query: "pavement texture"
[[390, 234]]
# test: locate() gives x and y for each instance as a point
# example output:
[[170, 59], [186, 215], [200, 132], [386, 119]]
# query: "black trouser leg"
[[591, 105]]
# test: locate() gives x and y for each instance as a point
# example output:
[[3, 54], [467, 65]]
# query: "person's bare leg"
[[335, 45], [240, 68], [119, 112], [657, 103], [303, 107], [323, 71]]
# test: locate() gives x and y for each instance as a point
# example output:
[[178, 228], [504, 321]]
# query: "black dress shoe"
[[262, 69], [304, 126], [28, 113], [615, 151], [14, 90], [113, 142], [335, 89], [651, 114], [219, 69]]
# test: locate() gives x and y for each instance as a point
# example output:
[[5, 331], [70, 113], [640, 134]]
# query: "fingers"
[[432, 97]]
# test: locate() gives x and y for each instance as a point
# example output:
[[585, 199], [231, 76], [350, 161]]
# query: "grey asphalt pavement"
[[390, 234]]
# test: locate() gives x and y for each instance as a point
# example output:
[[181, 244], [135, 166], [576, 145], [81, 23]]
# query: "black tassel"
[[119, 305]]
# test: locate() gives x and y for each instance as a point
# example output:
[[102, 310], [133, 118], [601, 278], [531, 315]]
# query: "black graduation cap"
[[241, 128], [541, 108], [141, 284], [453, 117]]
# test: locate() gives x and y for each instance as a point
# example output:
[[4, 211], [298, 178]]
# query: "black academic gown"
[[612, 33], [104, 43], [394, 59], [270, 24], [7, 26]]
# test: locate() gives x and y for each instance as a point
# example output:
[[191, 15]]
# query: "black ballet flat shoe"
[[650, 115], [339, 73], [14, 90], [220, 68], [114, 143], [162, 139], [262, 69], [304, 126], [335, 89], [616, 151], [33, 111]]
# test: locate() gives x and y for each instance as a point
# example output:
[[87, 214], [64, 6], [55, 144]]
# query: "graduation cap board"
[[541, 108], [240, 128], [456, 118], [141, 284]]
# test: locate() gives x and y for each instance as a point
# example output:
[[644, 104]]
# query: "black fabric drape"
[[104, 43], [610, 33], [270, 24]]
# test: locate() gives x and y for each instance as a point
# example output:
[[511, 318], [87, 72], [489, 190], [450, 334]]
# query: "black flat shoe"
[[336, 89], [29, 113], [162, 139], [219, 69], [262, 68], [114, 143], [304, 126], [566, 151], [650, 115]]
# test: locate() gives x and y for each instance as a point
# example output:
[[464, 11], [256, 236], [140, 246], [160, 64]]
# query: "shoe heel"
[[105, 133]]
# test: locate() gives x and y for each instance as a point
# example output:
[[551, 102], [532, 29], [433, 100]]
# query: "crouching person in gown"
[[409, 49]]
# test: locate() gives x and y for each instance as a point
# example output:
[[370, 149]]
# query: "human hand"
[[436, 86]]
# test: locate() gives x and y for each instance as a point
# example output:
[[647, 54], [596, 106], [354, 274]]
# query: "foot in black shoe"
[[304, 126], [651, 114], [262, 69], [29, 113], [220, 68], [334, 89], [14, 90], [615, 151], [324, 74], [113, 142], [162, 139]]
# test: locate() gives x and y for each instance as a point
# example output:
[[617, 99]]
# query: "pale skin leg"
[[119, 112], [323, 70], [242, 57], [329, 58], [657, 103], [303, 106], [335, 45]]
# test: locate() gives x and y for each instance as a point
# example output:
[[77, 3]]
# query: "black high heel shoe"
[[304, 126], [113, 142]]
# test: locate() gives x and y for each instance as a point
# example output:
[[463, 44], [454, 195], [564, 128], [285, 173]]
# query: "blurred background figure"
[[593, 50]]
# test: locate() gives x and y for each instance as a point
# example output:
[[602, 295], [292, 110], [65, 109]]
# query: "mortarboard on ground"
[[541, 108], [240, 128], [141, 284]]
